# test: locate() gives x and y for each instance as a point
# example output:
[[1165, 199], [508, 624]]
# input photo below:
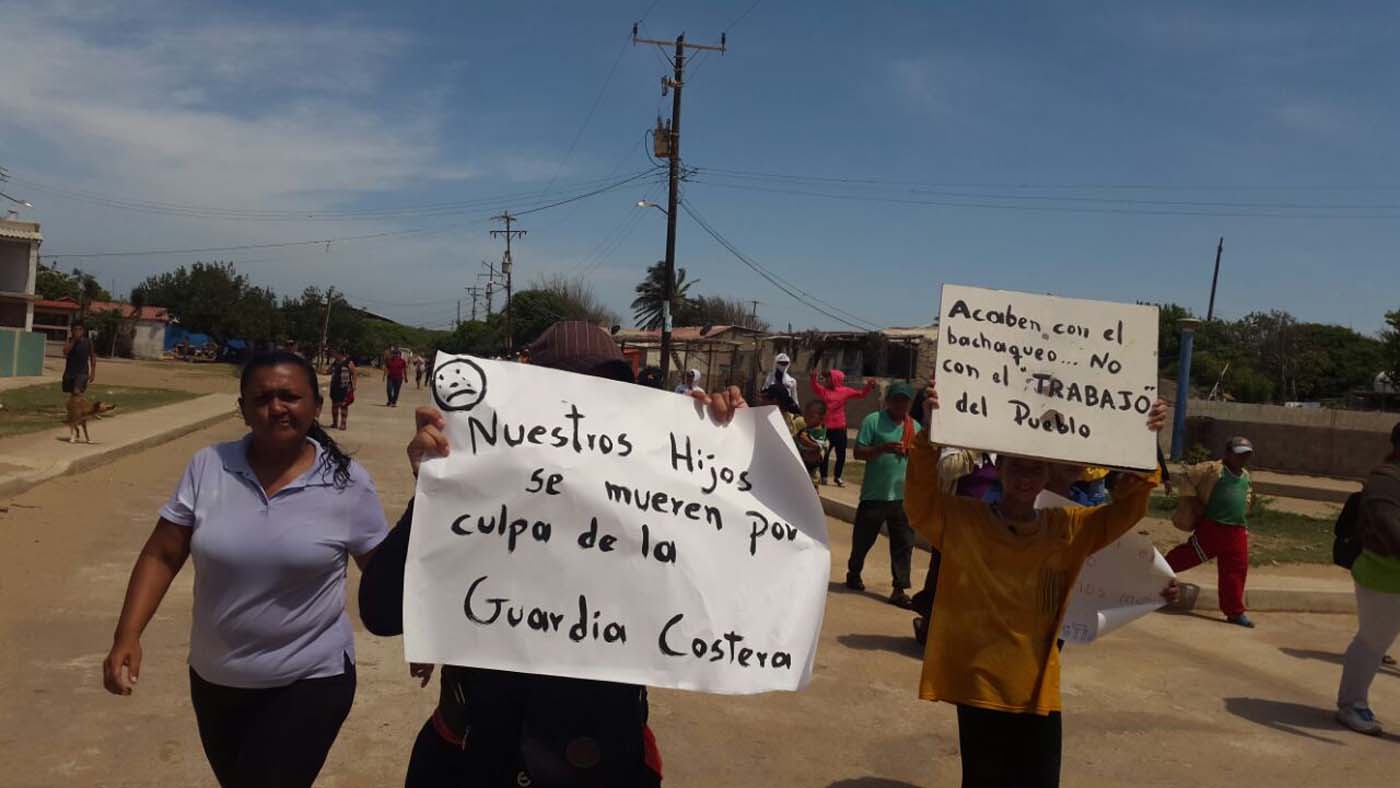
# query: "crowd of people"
[[272, 659]]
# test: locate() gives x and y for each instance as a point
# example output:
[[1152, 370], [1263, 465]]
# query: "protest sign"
[[588, 528], [1042, 376], [1118, 584]]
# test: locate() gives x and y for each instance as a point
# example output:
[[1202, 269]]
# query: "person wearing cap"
[[883, 443], [780, 375], [1376, 573], [498, 728], [1214, 505], [1007, 573]]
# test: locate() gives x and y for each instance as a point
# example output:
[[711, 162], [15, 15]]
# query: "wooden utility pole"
[[490, 274], [475, 293], [507, 262], [326, 322], [1210, 310], [672, 139]]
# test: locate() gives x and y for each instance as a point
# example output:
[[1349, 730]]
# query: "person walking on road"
[[342, 385], [1214, 505], [418, 364], [271, 521], [1376, 573], [830, 387], [883, 443], [690, 383], [79, 361], [779, 376], [395, 373], [500, 728], [1007, 574]]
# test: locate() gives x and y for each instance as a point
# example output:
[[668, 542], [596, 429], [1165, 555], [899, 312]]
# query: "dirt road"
[[1172, 700]]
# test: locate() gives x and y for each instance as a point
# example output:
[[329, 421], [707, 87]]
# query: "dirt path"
[[1171, 700]]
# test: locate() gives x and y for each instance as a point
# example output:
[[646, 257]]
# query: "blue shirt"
[[269, 585]]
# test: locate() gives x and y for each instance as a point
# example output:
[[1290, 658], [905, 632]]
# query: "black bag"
[[1346, 542]]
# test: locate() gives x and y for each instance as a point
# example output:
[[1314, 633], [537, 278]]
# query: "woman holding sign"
[[498, 728], [1005, 579], [271, 522]]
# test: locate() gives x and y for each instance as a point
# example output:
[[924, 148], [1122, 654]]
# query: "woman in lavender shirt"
[[270, 521]]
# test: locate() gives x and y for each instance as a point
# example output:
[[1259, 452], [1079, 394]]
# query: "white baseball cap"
[[782, 358]]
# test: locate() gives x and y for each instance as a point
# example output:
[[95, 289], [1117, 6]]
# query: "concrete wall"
[[14, 266], [1318, 442], [148, 339]]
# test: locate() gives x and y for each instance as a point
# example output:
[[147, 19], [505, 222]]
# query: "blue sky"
[[1093, 149]]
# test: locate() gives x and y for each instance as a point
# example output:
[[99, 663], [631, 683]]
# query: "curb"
[[29, 479], [1280, 490], [1263, 600]]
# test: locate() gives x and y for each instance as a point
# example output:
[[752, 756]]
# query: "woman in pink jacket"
[[831, 387]]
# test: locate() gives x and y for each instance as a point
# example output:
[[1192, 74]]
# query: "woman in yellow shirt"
[[1005, 579]]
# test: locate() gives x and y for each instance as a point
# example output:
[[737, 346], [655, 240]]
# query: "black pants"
[[923, 599], [837, 447], [870, 515], [393, 387], [1001, 749], [271, 738]]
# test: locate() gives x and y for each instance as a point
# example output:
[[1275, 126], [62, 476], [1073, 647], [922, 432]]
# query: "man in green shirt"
[[1219, 494], [883, 443]]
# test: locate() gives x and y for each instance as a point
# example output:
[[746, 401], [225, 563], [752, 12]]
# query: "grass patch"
[[41, 407], [1274, 536]]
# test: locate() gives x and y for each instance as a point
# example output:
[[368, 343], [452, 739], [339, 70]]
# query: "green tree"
[[477, 337], [721, 311], [576, 291], [646, 307], [1390, 348], [215, 299], [52, 284]]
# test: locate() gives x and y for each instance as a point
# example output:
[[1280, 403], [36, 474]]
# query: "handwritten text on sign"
[[1118, 584], [589, 528], [1042, 376]]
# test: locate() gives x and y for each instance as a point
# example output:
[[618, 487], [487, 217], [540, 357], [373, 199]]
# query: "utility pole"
[[753, 317], [671, 138], [506, 266], [1210, 310], [475, 293], [490, 275], [326, 322], [458, 322]]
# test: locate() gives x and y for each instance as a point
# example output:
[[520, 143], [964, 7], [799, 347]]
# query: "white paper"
[[1118, 584], [1041, 376], [729, 594]]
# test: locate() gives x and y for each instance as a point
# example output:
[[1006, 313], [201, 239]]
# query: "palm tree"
[[646, 307]]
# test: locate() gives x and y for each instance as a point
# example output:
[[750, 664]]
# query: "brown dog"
[[79, 411]]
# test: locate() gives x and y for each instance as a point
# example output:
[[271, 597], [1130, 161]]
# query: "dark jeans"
[[1001, 749], [870, 515], [923, 599], [837, 447], [271, 738], [393, 387]]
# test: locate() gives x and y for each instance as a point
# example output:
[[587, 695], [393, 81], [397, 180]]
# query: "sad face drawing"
[[458, 385]]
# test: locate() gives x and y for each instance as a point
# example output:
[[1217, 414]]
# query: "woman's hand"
[[421, 671], [1157, 417], [429, 440], [126, 653], [722, 404]]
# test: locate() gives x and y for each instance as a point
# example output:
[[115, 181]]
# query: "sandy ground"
[[1172, 700]]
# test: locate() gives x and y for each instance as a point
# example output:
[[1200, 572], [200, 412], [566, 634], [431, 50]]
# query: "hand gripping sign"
[[589, 528]]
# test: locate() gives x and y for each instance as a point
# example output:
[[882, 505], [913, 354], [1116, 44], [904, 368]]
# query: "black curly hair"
[[337, 462]]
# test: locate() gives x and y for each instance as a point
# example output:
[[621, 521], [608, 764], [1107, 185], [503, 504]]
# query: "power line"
[[797, 294], [742, 16], [1009, 206], [578, 135]]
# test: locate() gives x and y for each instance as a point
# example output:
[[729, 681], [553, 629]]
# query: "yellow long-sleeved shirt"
[[1001, 595]]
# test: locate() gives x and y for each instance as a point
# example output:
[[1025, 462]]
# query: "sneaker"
[[1241, 620], [1387, 660], [921, 630], [853, 582], [840, 483], [823, 481], [901, 600], [1359, 719]]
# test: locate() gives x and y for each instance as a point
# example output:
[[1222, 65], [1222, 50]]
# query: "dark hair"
[[820, 402], [337, 462]]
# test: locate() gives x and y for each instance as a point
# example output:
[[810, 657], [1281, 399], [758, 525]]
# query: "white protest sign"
[[1118, 584], [1042, 376], [594, 529]]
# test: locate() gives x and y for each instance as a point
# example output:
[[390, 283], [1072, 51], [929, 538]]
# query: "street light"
[[25, 203], [650, 204]]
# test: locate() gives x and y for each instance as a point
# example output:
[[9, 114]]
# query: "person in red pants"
[[1216, 498]]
